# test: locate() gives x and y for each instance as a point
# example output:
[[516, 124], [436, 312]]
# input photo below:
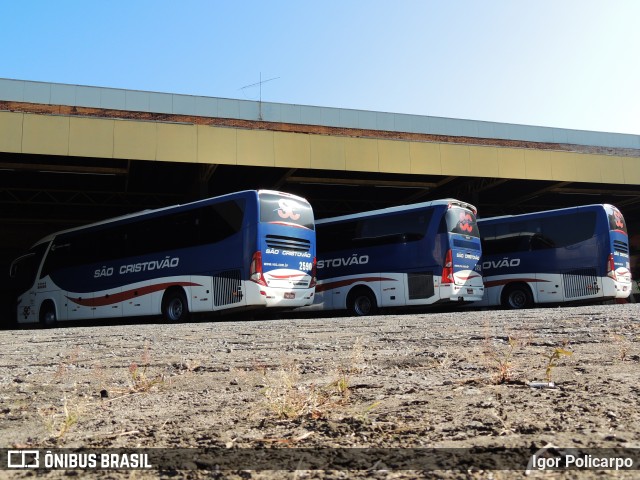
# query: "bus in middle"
[[420, 254]]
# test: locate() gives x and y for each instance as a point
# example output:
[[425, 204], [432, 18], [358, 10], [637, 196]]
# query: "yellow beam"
[[74, 136]]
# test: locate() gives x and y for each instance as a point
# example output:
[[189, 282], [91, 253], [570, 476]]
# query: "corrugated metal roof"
[[169, 103]]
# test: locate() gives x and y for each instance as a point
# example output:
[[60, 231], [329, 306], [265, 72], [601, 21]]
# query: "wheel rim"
[[174, 309], [362, 305], [517, 299]]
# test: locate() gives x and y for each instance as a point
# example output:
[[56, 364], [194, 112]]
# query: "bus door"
[[80, 305], [63, 281]]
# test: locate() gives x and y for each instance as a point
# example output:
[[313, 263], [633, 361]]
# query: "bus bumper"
[[278, 297], [616, 289], [461, 293]]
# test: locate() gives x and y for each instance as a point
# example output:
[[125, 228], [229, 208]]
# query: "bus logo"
[[618, 217], [466, 222], [286, 209], [23, 459], [505, 262]]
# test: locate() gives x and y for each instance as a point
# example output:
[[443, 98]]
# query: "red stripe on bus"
[[468, 278], [289, 224], [344, 283], [128, 295], [284, 277]]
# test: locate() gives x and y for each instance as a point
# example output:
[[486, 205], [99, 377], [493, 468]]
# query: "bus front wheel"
[[174, 306], [362, 302], [517, 296], [48, 317]]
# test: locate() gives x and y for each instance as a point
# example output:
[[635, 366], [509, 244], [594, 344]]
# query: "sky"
[[559, 63]]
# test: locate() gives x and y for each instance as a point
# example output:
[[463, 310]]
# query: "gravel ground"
[[394, 382]]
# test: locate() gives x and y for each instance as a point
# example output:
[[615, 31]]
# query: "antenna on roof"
[[260, 85]]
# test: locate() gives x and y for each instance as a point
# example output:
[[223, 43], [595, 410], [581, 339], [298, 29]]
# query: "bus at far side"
[[573, 254], [411, 255], [250, 249]]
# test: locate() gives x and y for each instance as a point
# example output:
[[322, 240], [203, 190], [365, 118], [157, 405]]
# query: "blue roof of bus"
[[158, 210], [545, 212], [399, 208]]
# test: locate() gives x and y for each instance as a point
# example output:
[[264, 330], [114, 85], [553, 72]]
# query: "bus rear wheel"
[[517, 296], [48, 318], [174, 306], [362, 302]]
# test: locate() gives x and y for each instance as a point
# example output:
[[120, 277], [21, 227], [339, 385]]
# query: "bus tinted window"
[[280, 209], [369, 232], [336, 236], [461, 221], [209, 224], [221, 220], [565, 230], [616, 220], [405, 226], [23, 270], [538, 234]]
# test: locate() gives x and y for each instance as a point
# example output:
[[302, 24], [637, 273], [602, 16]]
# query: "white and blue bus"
[[567, 255], [249, 249], [411, 255]]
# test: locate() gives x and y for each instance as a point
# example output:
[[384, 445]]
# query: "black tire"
[[517, 297], [48, 317], [362, 302], [174, 306]]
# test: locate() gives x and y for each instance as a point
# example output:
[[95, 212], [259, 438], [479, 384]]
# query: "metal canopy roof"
[[176, 104]]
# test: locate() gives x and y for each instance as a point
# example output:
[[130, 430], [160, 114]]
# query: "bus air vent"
[[227, 288], [620, 246], [582, 282], [420, 285], [288, 243]]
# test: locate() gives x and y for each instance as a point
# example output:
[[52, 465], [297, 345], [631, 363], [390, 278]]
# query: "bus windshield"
[[282, 209], [463, 221]]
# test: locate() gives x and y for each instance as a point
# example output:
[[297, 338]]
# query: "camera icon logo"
[[23, 459]]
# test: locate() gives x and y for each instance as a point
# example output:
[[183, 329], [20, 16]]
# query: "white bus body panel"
[[550, 288], [392, 290], [198, 290]]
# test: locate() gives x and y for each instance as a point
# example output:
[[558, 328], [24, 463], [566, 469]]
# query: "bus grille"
[[620, 246], [288, 243], [420, 285], [580, 283], [227, 288]]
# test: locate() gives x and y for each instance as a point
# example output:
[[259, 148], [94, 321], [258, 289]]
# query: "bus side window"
[[569, 229], [540, 242], [339, 236], [58, 257], [220, 221]]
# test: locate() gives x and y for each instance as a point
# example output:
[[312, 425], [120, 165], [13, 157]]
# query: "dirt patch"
[[450, 380]]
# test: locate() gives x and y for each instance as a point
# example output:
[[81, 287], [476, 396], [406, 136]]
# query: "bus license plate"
[[289, 295], [470, 291]]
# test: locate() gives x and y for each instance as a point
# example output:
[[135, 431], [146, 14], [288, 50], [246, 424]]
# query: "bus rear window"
[[282, 209], [460, 220], [616, 221]]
